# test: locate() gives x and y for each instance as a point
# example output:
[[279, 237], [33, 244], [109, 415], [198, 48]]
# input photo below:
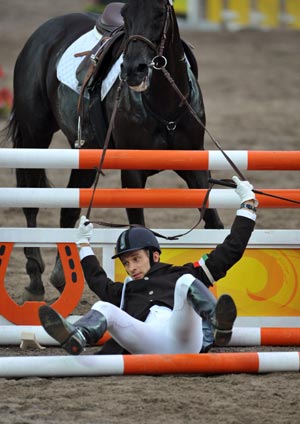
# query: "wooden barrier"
[[150, 159]]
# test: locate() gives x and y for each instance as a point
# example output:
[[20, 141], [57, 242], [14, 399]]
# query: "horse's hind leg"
[[199, 179], [68, 218], [31, 131]]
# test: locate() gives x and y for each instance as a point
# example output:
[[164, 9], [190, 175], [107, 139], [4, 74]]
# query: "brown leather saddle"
[[110, 19], [110, 25]]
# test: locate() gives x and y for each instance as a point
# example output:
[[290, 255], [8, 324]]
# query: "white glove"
[[85, 231], [244, 190]]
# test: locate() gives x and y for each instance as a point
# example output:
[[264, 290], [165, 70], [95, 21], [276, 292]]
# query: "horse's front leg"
[[68, 218], [35, 265], [199, 179], [134, 179]]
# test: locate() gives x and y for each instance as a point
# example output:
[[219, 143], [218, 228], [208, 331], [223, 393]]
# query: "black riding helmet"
[[136, 238]]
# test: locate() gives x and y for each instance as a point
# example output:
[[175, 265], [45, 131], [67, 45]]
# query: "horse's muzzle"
[[137, 79], [141, 87]]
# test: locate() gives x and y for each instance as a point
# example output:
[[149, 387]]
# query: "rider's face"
[[137, 263]]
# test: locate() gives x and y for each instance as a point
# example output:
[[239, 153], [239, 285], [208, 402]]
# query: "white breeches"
[[164, 331]]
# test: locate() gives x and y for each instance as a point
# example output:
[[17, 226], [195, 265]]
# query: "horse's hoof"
[[57, 278], [28, 296]]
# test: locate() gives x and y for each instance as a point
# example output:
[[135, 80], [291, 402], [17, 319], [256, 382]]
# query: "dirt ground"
[[250, 81]]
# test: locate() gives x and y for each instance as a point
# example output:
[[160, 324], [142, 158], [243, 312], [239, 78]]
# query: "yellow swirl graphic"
[[265, 282]]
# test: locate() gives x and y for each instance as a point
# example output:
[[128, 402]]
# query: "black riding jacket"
[[157, 287]]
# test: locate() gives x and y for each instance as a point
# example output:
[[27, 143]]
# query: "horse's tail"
[[11, 133], [8, 131], [12, 129], [25, 177]]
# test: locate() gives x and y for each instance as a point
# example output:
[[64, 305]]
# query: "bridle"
[[159, 61]]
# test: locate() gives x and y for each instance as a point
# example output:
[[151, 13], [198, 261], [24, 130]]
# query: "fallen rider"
[[161, 308]]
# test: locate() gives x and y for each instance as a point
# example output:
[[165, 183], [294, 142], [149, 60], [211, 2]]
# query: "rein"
[[105, 146], [159, 63]]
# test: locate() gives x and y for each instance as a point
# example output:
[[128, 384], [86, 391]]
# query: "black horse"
[[150, 113]]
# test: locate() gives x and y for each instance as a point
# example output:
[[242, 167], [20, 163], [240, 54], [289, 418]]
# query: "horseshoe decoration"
[[27, 314]]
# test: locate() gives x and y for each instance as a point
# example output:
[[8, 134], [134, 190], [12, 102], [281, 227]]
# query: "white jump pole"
[[13, 335], [97, 365], [61, 366], [241, 336]]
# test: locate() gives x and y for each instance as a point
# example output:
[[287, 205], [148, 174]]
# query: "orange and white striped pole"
[[256, 160], [265, 336], [139, 198], [96, 365]]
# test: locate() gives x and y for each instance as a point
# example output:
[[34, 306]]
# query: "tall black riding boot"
[[73, 337], [220, 314]]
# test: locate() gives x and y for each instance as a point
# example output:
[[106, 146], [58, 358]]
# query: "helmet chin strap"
[[151, 257]]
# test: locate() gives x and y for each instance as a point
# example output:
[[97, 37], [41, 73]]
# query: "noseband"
[[159, 61]]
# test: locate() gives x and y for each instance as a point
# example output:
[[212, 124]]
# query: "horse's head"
[[146, 25]]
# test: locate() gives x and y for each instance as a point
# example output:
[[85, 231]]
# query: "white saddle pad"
[[66, 68]]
